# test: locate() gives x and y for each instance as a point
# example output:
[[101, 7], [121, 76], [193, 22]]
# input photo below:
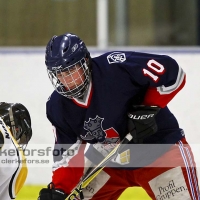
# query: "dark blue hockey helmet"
[[68, 65]]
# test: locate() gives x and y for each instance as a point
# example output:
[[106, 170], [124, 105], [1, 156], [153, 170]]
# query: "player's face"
[[72, 77]]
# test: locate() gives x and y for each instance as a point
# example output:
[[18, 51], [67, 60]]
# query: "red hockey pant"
[[172, 176]]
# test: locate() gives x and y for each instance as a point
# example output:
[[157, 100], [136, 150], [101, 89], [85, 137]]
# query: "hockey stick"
[[90, 176]]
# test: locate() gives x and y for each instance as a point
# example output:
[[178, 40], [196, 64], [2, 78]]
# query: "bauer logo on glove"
[[141, 122], [140, 116]]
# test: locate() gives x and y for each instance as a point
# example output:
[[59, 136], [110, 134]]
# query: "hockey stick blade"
[[86, 180]]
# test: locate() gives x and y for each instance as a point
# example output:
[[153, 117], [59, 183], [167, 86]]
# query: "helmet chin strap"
[[12, 123]]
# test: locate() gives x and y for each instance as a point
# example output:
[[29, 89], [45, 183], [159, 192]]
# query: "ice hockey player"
[[15, 133], [98, 101]]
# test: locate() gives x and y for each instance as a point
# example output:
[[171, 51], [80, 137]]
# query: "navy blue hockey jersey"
[[118, 80]]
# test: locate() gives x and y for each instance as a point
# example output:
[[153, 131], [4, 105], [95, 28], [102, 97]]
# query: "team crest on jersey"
[[96, 131], [116, 57]]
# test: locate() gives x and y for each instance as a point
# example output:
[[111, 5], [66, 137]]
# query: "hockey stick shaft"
[[86, 180]]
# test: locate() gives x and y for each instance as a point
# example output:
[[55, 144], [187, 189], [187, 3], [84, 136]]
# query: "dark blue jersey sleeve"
[[68, 150], [160, 74], [55, 109]]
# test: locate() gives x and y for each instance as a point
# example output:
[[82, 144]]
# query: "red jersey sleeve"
[[68, 171]]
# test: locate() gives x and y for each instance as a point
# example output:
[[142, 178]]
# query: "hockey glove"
[[141, 122], [51, 194]]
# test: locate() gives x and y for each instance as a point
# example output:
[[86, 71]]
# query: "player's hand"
[[141, 122], [51, 193]]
